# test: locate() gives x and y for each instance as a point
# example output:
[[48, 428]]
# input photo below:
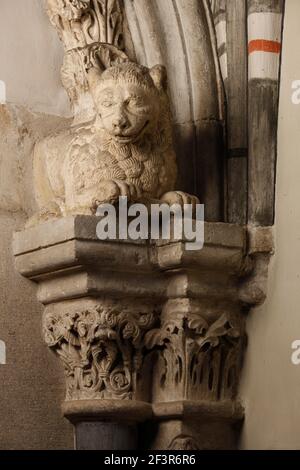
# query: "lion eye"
[[135, 102], [107, 104]]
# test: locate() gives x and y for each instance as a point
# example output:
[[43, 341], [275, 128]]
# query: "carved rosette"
[[101, 349], [197, 360]]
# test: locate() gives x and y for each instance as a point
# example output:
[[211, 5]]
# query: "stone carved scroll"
[[101, 348], [104, 348]]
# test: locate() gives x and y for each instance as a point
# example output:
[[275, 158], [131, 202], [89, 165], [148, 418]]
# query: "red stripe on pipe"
[[264, 46]]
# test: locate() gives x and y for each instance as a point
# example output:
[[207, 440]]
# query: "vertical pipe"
[[236, 89], [264, 48]]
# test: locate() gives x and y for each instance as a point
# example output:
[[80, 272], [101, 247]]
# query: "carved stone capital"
[[101, 347], [82, 26], [83, 22], [198, 359], [147, 325]]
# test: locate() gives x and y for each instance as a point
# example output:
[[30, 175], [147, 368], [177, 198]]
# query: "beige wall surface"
[[31, 382], [31, 57], [271, 383]]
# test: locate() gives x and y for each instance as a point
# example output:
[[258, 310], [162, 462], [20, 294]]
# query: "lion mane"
[[70, 166]]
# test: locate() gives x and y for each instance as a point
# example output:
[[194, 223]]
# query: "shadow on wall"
[[180, 36]]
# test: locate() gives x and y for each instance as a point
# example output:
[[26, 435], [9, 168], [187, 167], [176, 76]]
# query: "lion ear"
[[158, 74], [93, 75], [99, 57]]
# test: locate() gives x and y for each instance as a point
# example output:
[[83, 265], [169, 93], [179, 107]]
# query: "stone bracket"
[[147, 331]]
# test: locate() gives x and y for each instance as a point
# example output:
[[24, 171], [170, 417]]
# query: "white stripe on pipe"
[[264, 65], [264, 26]]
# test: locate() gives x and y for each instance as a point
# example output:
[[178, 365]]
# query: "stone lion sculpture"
[[126, 151]]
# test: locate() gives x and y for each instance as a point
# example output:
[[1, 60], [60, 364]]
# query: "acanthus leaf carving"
[[101, 348], [83, 25], [223, 328], [198, 360], [83, 22]]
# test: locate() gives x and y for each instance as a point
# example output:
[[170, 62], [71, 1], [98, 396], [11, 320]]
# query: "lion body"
[[69, 167], [127, 149]]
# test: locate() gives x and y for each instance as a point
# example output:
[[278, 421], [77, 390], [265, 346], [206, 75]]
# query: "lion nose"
[[120, 123]]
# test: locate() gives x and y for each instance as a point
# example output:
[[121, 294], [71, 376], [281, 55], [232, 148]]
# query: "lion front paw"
[[181, 198], [109, 191]]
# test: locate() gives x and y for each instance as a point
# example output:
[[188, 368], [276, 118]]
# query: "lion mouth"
[[126, 139]]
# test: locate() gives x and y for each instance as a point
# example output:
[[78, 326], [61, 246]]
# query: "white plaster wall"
[[30, 57], [271, 383]]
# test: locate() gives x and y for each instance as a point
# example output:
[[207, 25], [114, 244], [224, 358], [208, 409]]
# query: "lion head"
[[127, 99], [133, 121]]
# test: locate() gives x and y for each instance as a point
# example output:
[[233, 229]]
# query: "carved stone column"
[[100, 300], [147, 332]]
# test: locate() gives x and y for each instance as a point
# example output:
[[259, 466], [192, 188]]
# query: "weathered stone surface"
[[261, 247], [261, 240], [29, 414], [180, 36], [141, 323], [108, 410], [101, 344], [31, 381], [126, 151], [20, 128], [79, 25], [145, 323]]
